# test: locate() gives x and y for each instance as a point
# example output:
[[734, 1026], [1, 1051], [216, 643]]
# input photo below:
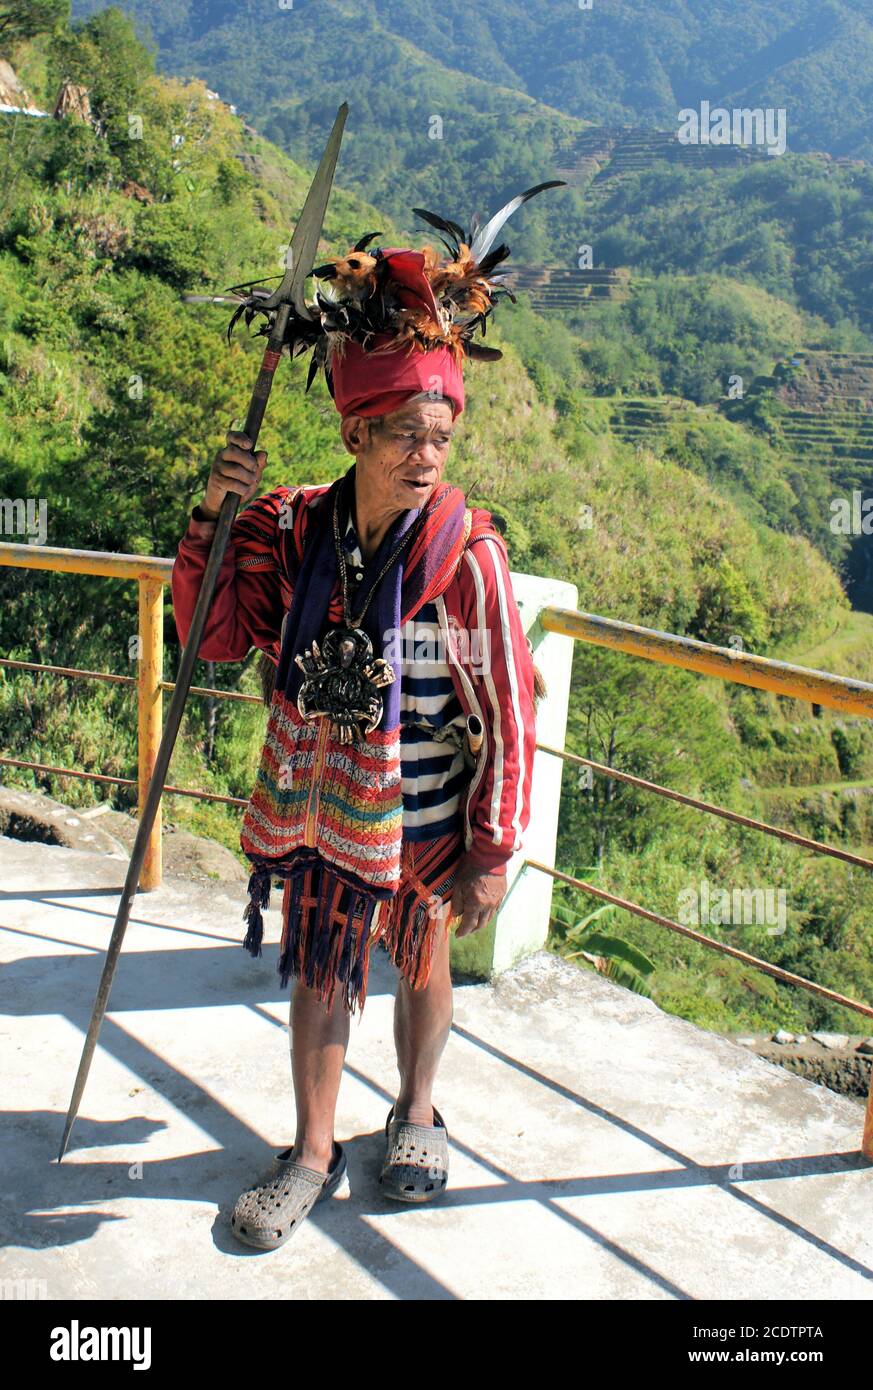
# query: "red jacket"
[[493, 677]]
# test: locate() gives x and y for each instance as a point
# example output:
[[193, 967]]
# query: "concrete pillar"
[[522, 924]]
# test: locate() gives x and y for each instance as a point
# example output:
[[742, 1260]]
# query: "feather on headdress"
[[385, 300]]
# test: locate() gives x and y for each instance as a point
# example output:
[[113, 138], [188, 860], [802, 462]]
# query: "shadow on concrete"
[[154, 980], [202, 977], [692, 1174], [66, 985]]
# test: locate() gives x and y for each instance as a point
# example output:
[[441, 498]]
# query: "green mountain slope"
[[616, 62], [798, 227], [457, 112]]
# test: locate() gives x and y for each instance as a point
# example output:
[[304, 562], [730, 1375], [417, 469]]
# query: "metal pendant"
[[342, 683]]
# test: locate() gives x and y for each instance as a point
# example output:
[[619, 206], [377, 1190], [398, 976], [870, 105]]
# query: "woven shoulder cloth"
[[294, 524], [317, 801]]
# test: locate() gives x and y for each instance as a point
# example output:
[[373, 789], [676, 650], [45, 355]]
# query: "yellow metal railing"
[[151, 574], [796, 682]]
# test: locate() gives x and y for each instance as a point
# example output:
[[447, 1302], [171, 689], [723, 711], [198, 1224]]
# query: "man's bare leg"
[[318, 1047], [422, 1022]]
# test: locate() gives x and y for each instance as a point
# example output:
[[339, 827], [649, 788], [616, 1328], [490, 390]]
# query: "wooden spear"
[[299, 262]]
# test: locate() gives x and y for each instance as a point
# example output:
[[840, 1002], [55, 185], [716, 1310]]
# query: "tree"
[[653, 724], [104, 55], [24, 19], [611, 956]]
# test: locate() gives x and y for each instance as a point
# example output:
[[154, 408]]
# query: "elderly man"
[[395, 776]]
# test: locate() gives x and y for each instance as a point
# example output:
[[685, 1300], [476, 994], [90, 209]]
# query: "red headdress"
[[399, 322]]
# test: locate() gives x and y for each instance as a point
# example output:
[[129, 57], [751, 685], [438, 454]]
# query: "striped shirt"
[[432, 723]]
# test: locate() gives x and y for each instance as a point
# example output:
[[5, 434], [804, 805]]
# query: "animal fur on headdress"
[[421, 298]]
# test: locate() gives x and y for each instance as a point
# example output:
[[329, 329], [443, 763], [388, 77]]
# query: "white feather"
[[486, 238]]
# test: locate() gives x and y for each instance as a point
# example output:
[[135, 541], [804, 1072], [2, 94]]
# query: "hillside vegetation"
[[115, 393], [615, 62]]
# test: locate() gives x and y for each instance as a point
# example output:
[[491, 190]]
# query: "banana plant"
[[618, 960]]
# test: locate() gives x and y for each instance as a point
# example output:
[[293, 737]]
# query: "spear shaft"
[[301, 256]]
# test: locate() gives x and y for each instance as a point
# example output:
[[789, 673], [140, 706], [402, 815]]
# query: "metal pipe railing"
[[776, 971], [41, 667], [122, 781], [151, 574], [785, 976], [763, 673], [816, 846], [102, 562]]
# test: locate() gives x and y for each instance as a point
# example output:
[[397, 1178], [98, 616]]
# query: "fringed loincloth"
[[328, 927]]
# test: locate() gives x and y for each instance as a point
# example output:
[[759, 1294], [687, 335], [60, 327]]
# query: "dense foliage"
[[614, 61]]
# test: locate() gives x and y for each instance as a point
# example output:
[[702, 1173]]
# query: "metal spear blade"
[[301, 253], [304, 244]]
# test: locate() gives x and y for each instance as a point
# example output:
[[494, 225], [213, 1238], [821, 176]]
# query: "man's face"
[[401, 461]]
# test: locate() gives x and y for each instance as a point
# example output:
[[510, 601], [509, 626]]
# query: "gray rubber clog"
[[268, 1214], [416, 1166]]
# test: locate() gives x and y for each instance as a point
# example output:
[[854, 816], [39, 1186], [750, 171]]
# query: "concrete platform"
[[599, 1148]]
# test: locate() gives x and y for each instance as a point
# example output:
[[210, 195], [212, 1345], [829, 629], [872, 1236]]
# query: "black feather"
[[237, 315], [247, 285], [443, 224], [493, 258]]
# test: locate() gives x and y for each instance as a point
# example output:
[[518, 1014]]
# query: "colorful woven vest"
[[317, 801]]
